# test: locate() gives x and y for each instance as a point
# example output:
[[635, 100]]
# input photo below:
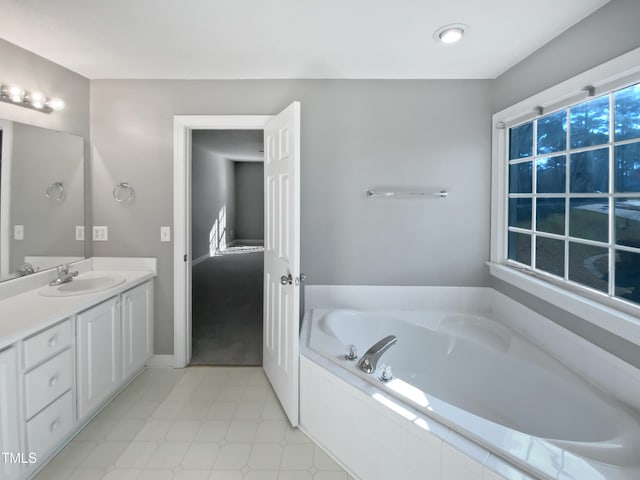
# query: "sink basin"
[[90, 282]]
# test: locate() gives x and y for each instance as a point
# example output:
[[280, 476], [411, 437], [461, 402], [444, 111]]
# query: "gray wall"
[[41, 157], [249, 221], [212, 192], [606, 34], [355, 135]]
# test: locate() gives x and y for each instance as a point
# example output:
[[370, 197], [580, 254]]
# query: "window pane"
[[628, 222], [520, 178], [590, 123], [550, 215], [520, 212], [628, 275], [627, 105], [589, 218], [521, 141], [551, 174], [628, 167], [589, 266], [520, 247], [589, 171], [552, 133], [550, 255]]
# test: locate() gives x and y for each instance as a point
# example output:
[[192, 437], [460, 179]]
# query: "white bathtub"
[[479, 378]]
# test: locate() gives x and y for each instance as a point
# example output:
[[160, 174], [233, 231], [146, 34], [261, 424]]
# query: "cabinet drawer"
[[50, 426], [47, 343], [47, 382]]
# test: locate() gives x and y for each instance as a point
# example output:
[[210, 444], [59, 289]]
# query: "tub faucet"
[[65, 275], [370, 359]]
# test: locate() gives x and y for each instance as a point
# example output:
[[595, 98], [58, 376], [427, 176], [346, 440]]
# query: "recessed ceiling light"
[[450, 33]]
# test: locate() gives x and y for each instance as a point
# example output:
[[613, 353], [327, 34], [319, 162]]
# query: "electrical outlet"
[[100, 233], [79, 232], [18, 232], [165, 234]]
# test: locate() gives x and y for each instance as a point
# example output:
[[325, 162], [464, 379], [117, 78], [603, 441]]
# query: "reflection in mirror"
[[41, 199]]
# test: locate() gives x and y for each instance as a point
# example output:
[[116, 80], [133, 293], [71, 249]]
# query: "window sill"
[[625, 325]]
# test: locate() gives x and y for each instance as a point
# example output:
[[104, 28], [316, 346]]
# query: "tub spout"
[[370, 359]]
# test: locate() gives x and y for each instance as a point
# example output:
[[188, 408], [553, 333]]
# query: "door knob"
[[286, 280]]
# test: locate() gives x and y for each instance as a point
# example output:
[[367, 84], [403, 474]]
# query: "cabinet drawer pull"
[[53, 341], [53, 380], [54, 424]]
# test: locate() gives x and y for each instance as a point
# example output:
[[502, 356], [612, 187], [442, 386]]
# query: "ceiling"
[[251, 39]]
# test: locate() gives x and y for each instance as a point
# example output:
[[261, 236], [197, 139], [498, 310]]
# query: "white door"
[[99, 355], [280, 342]]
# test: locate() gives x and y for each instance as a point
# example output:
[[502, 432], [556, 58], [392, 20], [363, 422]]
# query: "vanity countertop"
[[27, 312]]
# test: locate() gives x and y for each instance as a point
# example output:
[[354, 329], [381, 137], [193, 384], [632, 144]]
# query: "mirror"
[[41, 199]]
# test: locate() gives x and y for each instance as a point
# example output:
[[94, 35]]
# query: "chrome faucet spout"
[[65, 275], [370, 359]]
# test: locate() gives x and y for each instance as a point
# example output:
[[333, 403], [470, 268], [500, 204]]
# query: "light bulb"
[[56, 104], [16, 93], [37, 99], [451, 35]]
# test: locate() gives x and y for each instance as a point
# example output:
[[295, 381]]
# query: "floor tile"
[[199, 423]]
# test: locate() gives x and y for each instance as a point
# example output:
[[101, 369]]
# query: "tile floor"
[[199, 423]]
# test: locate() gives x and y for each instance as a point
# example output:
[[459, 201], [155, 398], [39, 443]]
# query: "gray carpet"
[[227, 309]]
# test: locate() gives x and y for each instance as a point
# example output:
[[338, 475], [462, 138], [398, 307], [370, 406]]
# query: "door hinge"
[[185, 257]]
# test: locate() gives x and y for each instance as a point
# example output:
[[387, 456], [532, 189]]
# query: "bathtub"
[[477, 377]]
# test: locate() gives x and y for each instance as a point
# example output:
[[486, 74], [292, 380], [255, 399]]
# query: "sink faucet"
[[65, 275], [25, 269], [370, 359]]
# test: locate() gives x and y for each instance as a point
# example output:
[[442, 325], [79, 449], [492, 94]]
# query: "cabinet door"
[[9, 426], [137, 325], [99, 354]]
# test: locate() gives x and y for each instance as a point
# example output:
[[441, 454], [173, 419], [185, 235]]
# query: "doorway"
[[227, 244], [282, 277]]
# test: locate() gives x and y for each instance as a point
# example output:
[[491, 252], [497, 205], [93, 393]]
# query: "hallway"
[[227, 308]]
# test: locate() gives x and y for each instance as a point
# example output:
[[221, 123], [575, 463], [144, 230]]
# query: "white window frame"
[[615, 315]]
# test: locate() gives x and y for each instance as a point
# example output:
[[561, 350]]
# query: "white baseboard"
[[160, 361]]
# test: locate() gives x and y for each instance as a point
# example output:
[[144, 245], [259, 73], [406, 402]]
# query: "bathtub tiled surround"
[[378, 438], [450, 455]]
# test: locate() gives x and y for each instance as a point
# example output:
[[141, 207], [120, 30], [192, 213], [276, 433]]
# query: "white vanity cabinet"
[[99, 354], [114, 341], [63, 359], [9, 423], [137, 327]]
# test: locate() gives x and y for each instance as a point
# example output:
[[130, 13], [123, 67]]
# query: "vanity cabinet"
[[115, 340], [53, 379], [9, 423], [99, 354], [137, 328]]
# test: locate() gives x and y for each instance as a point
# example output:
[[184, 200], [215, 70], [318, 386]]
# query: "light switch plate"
[[18, 232], [165, 234], [79, 232], [100, 233]]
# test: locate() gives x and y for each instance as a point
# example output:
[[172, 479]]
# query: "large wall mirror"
[[41, 199]]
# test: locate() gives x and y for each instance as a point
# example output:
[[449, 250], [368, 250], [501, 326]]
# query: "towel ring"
[[123, 193], [55, 191]]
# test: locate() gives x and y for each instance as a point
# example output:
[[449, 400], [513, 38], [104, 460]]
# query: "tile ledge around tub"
[[477, 453]]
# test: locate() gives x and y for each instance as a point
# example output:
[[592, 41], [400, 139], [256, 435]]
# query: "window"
[[572, 198]]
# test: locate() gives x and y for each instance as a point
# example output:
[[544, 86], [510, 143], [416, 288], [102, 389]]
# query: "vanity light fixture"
[[35, 99], [449, 34]]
